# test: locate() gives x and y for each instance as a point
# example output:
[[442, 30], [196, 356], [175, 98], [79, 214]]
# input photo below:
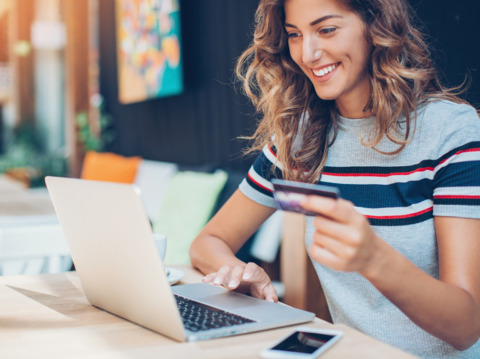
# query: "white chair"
[[152, 178], [31, 239]]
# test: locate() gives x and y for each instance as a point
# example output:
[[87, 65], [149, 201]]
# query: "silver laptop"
[[118, 264]]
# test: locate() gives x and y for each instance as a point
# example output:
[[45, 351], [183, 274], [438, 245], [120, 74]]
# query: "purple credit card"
[[288, 194]]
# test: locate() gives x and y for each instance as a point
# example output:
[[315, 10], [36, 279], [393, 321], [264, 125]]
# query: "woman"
[[350, 98]]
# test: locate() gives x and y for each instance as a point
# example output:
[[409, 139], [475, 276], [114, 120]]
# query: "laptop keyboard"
[[198, 316]]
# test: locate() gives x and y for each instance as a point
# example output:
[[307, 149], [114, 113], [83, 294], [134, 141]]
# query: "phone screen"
[[303, 342]]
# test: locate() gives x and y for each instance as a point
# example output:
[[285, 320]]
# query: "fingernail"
[[217, 281], [246, 275], [232, 283], [271, 300]]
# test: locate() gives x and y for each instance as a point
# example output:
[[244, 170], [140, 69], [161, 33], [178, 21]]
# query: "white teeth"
[[324, 71]]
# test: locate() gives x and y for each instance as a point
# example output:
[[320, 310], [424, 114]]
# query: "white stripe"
[[457, 191], [395, 211], [460, 211], [467, 156], [377, 180], [271, 157], [259, 179]]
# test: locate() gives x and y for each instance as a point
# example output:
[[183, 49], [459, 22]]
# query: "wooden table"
[[47, 316]]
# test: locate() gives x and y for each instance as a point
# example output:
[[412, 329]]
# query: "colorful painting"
[[148, 49]]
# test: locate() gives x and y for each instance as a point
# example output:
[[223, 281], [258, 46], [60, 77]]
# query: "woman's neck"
[[354, 104], [353, 111]]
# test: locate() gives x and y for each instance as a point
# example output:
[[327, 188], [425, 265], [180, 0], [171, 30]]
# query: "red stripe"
[[276, 158], [463, 151], [258, 184], [271, 151], [457, 197], [402, 216], [470, 150]]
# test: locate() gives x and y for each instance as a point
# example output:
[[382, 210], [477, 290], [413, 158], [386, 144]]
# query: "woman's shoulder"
[[448, 124], [444, 110], [443, 115]]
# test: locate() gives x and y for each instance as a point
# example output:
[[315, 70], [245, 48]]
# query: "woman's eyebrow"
[[317, 21]]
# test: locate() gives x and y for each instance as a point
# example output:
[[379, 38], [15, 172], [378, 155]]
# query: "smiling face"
[[327, 41]]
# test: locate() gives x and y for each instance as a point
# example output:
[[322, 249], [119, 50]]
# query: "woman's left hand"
[[343, 238]]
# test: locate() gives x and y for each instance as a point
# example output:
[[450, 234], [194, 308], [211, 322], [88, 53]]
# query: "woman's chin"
[[326, 96]]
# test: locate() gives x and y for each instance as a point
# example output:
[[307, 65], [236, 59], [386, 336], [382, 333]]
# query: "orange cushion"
[[109, 167]]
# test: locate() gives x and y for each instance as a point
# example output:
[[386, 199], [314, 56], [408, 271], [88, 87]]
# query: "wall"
[[201, 126], [452, 29]]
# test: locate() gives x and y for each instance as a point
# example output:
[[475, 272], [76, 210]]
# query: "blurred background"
[[147, 87], [94, 74]]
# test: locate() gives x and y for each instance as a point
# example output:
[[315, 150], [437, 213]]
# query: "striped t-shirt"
[[436, 174]]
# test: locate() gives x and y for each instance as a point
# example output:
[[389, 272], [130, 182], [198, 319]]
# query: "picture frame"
[[149, 53]]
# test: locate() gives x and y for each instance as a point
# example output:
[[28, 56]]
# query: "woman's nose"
[[312, 50]]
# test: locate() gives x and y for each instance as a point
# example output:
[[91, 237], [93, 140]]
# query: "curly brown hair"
[[402, 78]]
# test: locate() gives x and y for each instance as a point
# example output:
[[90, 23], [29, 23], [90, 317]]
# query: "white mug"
[[161, 243]]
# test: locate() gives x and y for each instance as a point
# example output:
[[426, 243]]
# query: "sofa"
[[180, 200]]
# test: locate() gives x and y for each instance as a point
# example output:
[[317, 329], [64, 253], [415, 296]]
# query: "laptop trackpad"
[[217, 296], [231, 300]]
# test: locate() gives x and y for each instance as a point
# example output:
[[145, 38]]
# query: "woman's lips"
[[323, 72]]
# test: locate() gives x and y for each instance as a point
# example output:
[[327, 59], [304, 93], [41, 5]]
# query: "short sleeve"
[[456, 191], [257, 184]]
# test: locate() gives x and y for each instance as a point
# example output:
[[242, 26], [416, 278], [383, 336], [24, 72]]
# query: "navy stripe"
[[391, 222], [381, 196], [468, 146], [459, 174], [258, 188], [265, 168], [457, 201]]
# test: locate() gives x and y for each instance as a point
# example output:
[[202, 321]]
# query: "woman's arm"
[[448, 308], [213, 250]]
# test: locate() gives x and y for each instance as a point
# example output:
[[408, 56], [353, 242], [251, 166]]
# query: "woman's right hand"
[[249, 278]]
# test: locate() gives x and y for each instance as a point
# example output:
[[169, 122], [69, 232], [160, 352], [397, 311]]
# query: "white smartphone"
[[303, 342], [288, 194]]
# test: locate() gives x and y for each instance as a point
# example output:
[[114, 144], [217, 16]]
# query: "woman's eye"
[[327, 30], [292, 35]]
